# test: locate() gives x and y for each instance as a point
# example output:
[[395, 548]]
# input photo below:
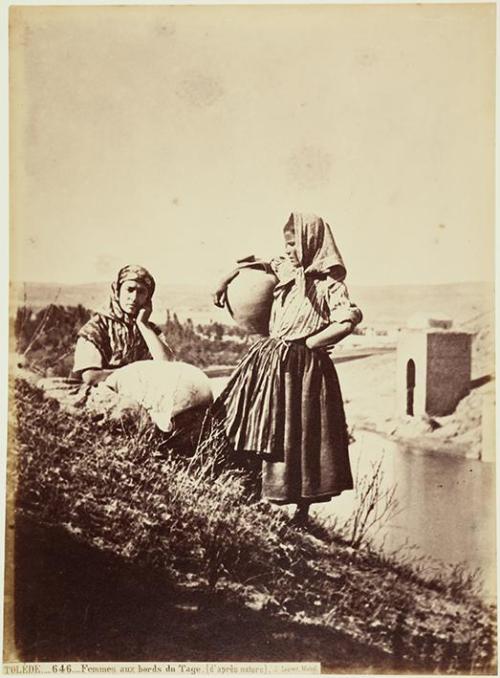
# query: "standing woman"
[[123, 333], [284, 402]]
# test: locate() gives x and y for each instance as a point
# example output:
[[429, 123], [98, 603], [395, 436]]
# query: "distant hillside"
[[382, 305], [184, 299], [393, 304]]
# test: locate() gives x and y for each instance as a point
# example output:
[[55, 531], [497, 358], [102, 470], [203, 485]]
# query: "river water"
[[446, 505]]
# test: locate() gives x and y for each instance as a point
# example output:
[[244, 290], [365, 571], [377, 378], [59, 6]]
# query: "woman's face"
[[132, 296], [290, 248]]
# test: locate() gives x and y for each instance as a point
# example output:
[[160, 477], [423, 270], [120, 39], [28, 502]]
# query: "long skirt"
[[284, 403]]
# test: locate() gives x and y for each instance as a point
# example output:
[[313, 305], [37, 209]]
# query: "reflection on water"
[[446, 504]]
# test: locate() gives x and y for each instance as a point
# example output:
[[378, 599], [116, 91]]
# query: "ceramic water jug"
[[249, 299]]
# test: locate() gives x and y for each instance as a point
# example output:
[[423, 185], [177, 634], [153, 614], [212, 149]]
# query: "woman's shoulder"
[[97, 319], [97, 324]]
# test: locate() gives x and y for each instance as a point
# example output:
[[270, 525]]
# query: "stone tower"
[[433, 367]]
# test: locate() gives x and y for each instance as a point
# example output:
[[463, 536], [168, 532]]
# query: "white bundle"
[[163, 388]]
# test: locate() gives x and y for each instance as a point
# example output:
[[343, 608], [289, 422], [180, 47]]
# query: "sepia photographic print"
[[251, 339]]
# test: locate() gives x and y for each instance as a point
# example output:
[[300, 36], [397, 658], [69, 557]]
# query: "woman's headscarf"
[[316, 250], [131, 272]]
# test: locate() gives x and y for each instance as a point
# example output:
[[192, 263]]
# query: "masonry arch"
[[410, 387]]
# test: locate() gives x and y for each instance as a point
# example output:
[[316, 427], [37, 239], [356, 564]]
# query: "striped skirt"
[[283, 402]]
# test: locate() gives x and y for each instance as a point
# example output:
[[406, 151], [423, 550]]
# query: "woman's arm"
[[344, 316], [94, 376], [88, 361], [219, 294], [156, 347], [329, 335]]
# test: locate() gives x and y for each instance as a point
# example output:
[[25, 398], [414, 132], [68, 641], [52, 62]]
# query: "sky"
[[181, 138]]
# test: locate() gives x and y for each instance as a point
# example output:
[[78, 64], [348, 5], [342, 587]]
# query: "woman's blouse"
[[296, 315], [106, 343]]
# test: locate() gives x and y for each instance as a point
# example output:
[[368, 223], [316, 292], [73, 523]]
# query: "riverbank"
[[228, 563], [369, 389]]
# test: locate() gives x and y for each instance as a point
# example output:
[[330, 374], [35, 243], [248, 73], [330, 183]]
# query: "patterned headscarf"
[[131, 272], [316, 250]]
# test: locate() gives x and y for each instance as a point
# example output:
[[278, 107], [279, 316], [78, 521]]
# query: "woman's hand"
[[94, 376], [144, 313], [158, 349], [219, 296]]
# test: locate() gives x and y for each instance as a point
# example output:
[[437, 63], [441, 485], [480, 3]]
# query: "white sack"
[[163, 388]]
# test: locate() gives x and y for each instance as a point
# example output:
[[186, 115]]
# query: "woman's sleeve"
[[87, 356], [92, 345], [157, 330], [341, 307]]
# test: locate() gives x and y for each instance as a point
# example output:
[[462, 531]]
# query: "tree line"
[[46, 338]]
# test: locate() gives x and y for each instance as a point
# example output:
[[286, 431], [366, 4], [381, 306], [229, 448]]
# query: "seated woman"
[[123, 333], [122, 352]]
